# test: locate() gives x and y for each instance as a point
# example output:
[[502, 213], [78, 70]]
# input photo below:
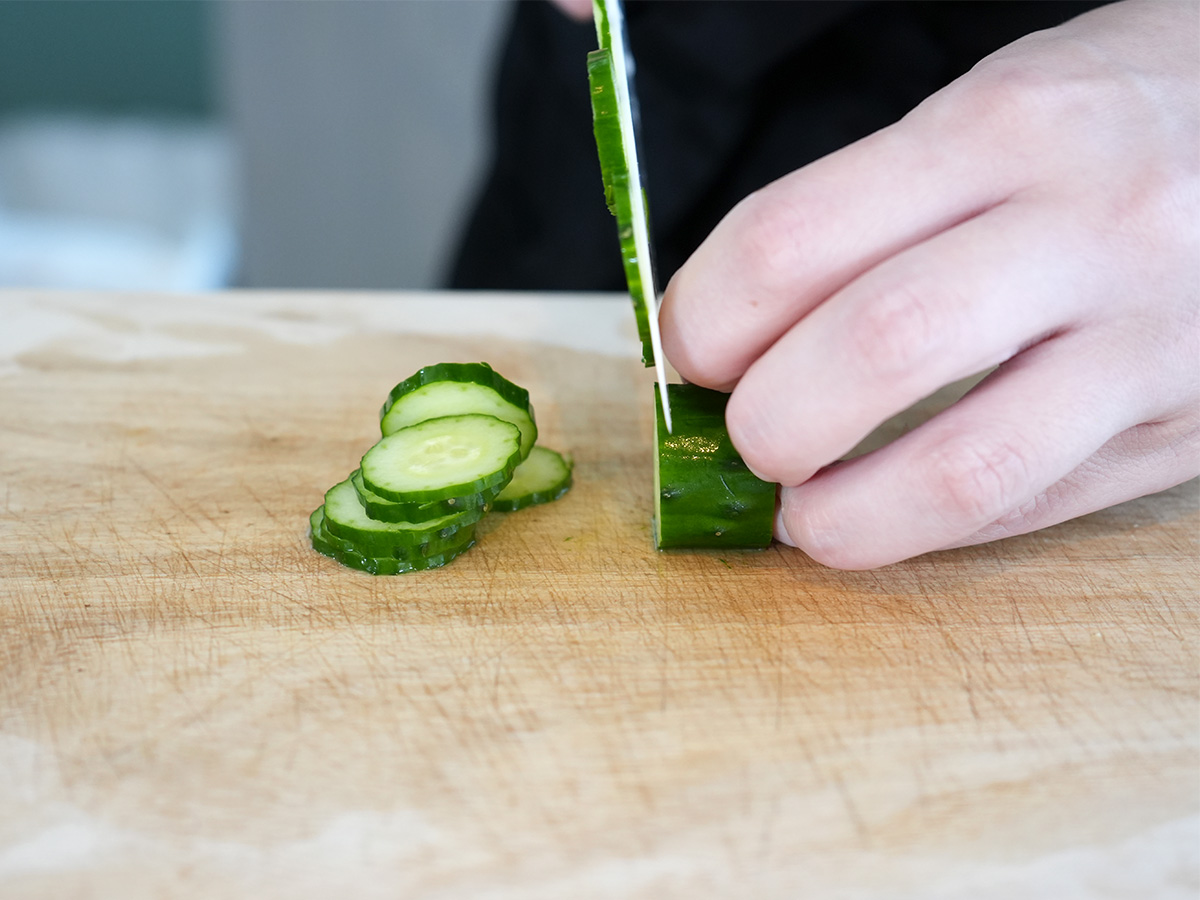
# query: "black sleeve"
[[733, 94]]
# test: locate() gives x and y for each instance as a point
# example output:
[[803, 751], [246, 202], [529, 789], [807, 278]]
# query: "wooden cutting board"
[[194, 703]]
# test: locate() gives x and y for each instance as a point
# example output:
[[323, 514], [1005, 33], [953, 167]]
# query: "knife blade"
[[612, 35]]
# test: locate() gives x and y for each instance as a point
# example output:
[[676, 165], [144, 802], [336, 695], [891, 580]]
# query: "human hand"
[[579, 10], [1042, 214]]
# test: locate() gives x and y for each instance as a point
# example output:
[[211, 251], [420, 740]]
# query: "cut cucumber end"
[[704, 495], [625, 199]]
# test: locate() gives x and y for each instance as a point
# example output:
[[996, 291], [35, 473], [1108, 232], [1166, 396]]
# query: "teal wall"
[[106, 56]]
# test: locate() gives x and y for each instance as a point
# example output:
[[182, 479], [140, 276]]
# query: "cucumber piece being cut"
[[384, 510], [543, 477], [618, 189], [449, 389], [346, 518], [705, 496], [348, 554], [615, 124], [451, 456]]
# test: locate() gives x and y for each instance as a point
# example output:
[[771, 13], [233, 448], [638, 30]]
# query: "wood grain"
[[193, 703]]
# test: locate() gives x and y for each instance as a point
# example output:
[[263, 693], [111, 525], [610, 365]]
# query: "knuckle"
[[898, 330], [767, 241], [696, 352], [972, 481], [1011, 95], [1005, 103]]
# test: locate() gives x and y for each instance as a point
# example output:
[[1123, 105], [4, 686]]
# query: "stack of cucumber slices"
[[459, 441]]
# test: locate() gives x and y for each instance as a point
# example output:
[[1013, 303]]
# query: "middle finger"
[[956, 304]]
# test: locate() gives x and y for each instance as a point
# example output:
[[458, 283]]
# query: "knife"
[[611, 72]]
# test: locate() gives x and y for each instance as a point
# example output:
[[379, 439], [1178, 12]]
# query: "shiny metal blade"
[[623, 69]]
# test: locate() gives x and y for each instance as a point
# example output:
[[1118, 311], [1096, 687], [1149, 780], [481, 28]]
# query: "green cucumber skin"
[[348, 555], [479, 373], [707, 497], [515, 496], [537, 498], [494, 480], [600, 14], [389, 539], [615, 173], [475, 373], [605, 126], [384, 510]]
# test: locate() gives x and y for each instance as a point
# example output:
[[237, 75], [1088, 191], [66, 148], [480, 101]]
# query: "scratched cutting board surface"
[[194, 703]]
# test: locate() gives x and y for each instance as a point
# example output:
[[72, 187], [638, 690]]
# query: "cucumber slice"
[[452, 456], [384, 510], [704, 494], [543, 477], [346, 518], [607, 130], [347, 554], [463, 535], [449, 389], [619, 188]]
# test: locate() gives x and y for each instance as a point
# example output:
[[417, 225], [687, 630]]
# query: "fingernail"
[[757, 474]]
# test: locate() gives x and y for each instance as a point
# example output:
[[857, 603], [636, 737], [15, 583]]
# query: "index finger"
[[790, 245]]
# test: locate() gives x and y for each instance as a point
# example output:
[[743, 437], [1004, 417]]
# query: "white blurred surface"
[[363, 134], [115, 204]]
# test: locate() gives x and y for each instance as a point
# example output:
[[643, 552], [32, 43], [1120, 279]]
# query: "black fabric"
[[733, 94]]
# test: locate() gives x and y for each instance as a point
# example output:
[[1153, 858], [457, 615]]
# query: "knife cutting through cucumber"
[[704, 494], [459, 440], [610, 75]]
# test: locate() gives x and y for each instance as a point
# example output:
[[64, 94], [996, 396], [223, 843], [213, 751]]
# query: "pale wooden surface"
[[194, 704]]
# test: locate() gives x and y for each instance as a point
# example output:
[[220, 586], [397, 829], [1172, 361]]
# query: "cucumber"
[[346, 518], [451, 456], [454, 436], [543, 477], [705, 496], [450, 389], [618, 186], [348, 554], [607, 130], [385, 510]]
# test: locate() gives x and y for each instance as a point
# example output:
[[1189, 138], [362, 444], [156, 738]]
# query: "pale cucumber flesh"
[[452, 456]]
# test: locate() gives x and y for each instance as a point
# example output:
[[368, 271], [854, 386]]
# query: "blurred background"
[[200, 144]]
